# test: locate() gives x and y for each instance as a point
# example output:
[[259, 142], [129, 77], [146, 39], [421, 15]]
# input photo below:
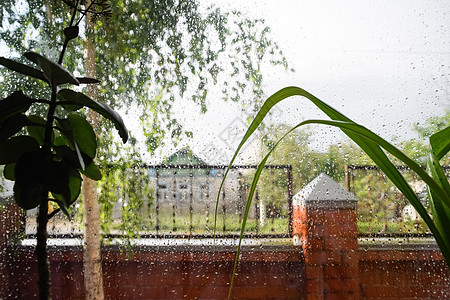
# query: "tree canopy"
[[158, 52]]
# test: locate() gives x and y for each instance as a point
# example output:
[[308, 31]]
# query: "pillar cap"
[[324, 192]]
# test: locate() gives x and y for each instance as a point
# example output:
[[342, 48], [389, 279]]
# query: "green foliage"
[[126, 189], [372, 144], [56, 149], [161, 50], [59, 144]]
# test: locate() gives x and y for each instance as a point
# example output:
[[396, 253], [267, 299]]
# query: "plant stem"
[[49, 124], [41, 249], [66, 40]]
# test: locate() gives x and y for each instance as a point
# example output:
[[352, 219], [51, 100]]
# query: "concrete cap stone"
[[324, 192]]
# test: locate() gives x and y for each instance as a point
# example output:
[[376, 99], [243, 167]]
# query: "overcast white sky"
[[385, 64]]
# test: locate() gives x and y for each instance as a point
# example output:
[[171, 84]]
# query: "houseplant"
[[46, 154], [437, 184]]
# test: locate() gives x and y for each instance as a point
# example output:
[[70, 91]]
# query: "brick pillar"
[[324, 224], [11, 222]]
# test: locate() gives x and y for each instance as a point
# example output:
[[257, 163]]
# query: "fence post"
[[324, 224]]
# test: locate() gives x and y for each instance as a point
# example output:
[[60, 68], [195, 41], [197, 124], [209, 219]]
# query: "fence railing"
[[382, 209], [185, 200], [182, 203]]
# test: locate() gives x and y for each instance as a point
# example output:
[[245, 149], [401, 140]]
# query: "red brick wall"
[[403, 274], [168, 274], [328, 265]]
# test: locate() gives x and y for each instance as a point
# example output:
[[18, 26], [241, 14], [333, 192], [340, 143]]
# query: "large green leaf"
[[387, 165], [21, 68], [101, 108], [12, 126], [67, 138], [92, 171], [54, 72], [82, 131], [71, 156], [12, 149], [440, 142], [68, 193], [14, 104]]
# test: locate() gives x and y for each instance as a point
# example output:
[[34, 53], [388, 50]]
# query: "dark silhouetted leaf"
[[71, 157], [15, 147], [37, 128], [54, 72], [29, 172], [28, 197], [8, 172], [57, 176], [101, 108], [71, 32], [14, 104], [12, 126], [86, 80], [23, 69], [71, 191]]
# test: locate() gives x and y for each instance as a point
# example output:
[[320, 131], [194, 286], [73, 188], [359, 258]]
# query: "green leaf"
[[71, 156], [68, 138], [82, 133], [440, 142], [12, 149], [12, 126], [101, 108], [8, 172], [63, 207], [385, 164], [14, 104], [441, 213], [54, 72], [21, 68], [69, 193], [69, 106], [36, 128], [93, 172]]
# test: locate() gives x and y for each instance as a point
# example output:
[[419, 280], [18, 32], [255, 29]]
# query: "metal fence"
[[185, 200], [180, 201], [382, 209]]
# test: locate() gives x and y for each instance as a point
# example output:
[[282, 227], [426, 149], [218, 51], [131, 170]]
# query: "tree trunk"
[[93, 275], [93, 280]]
